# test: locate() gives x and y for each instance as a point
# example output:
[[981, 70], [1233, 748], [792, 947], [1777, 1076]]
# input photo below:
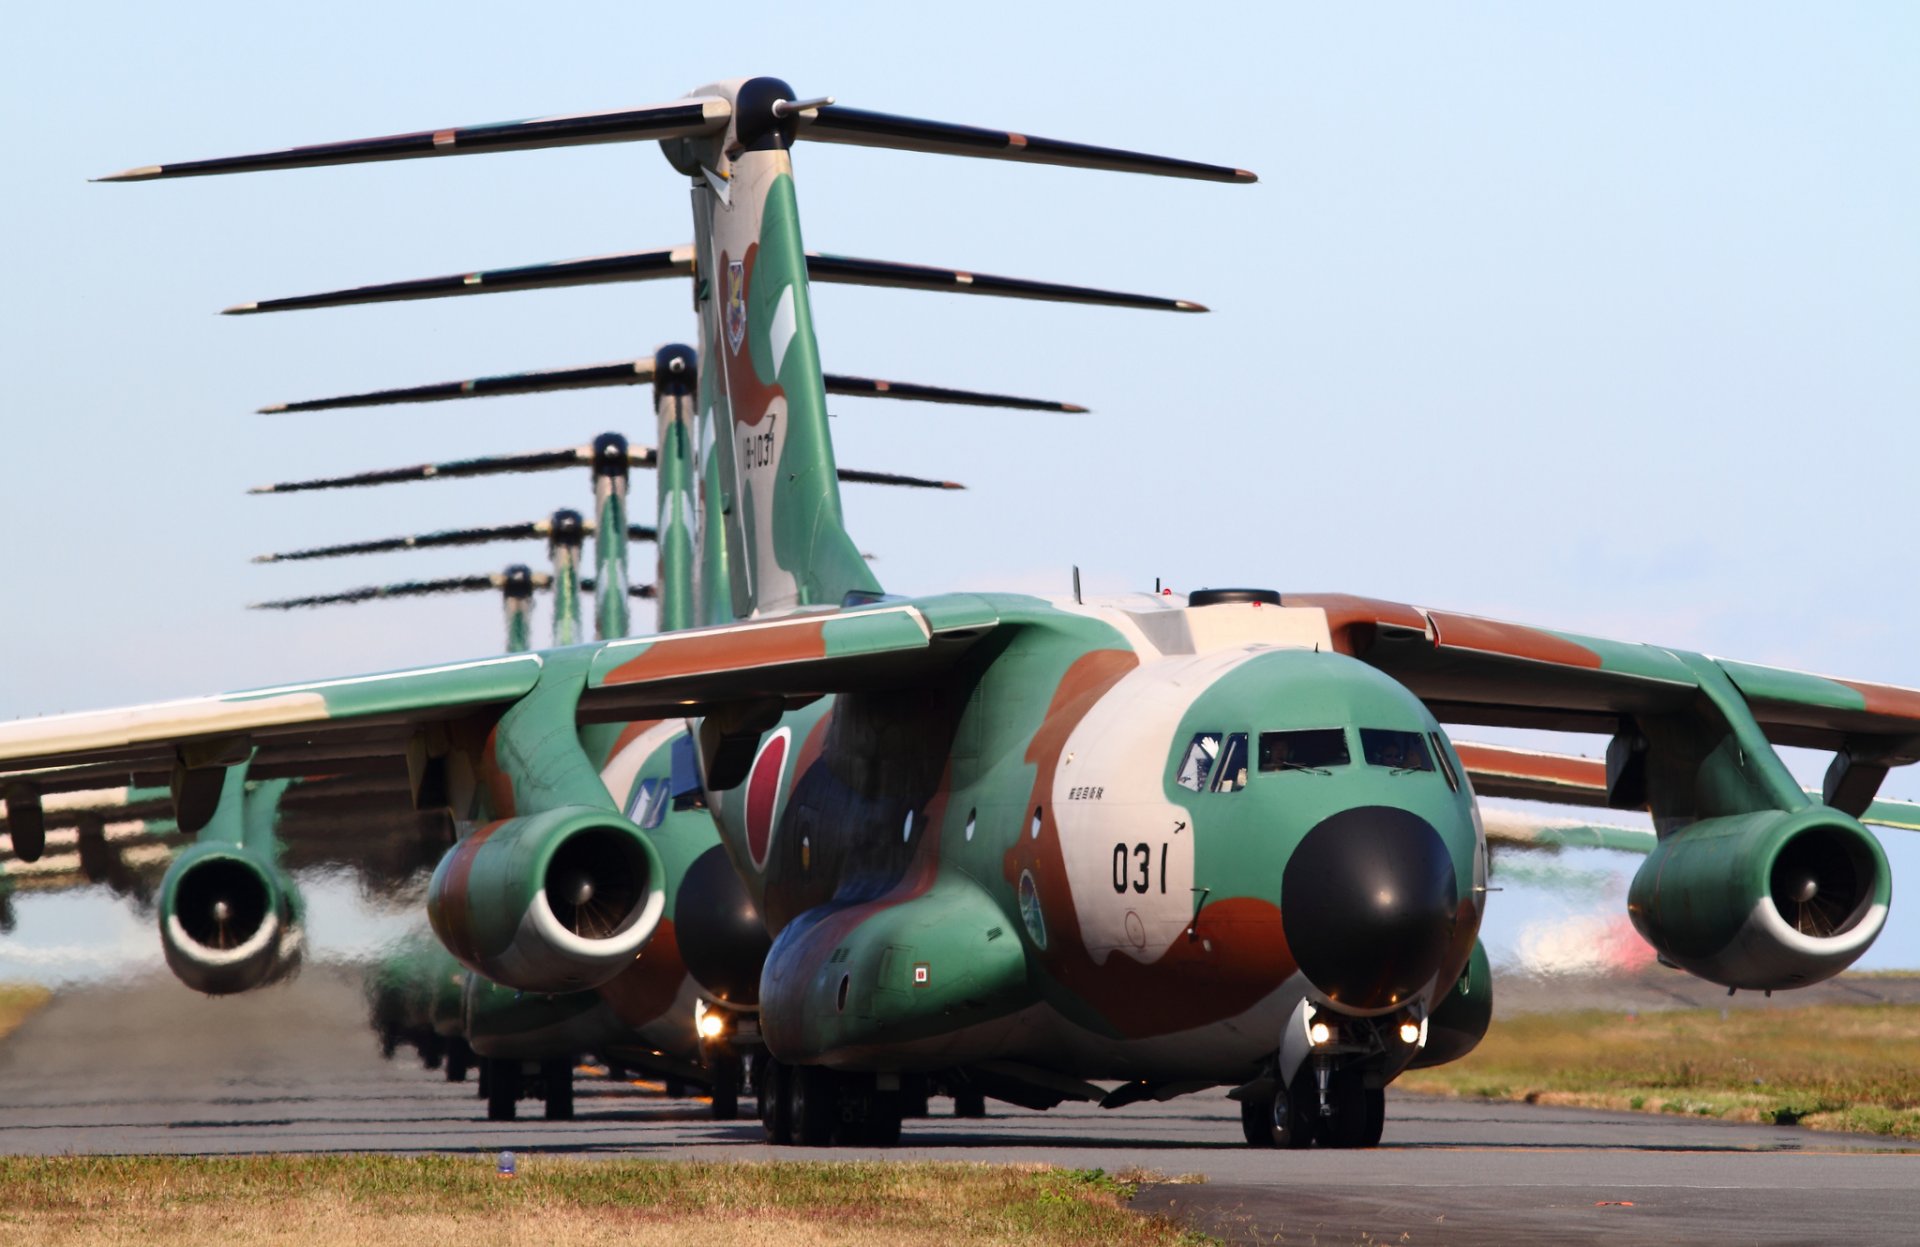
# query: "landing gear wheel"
[[432, 1049], [816, 1105], [969, 1103], [726, 1088], [459, 1060], [674, 1088], [556, 1081], [1354, 1122], [1255, 1122], [503, 1090], [776, 1102], [1291, 1114]]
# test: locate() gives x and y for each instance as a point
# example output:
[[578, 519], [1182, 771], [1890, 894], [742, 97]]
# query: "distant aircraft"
[[1027, 845]]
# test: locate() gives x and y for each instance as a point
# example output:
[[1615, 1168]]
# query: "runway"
[[150, 1067]]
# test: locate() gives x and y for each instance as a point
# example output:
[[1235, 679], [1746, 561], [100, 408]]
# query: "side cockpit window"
[[1197, 762], [1446, 766], [1231, 774], [1316, 750], [1397, 751]]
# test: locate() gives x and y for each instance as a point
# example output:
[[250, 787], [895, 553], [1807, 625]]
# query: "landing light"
[[1319, 1033], [1409, 1032], [712, 1024]]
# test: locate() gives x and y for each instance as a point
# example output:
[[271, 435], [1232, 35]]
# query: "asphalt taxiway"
[[149, 1067]]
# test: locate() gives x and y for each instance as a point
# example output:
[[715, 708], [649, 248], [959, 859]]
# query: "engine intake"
[[228, 920], [1763, 901], [553, 902]]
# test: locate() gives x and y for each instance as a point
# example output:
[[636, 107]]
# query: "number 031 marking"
[[1133, 867]]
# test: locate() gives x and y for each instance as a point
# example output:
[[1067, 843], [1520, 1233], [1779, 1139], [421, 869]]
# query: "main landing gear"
[[812, 1106], [1351, 1114], [504, 1082]]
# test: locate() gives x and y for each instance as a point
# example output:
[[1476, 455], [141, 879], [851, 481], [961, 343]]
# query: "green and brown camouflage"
[[677, 574], [611, 581], [1170, 841]]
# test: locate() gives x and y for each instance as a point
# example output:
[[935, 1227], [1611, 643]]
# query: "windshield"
[[1402, 751], [1314, 749]]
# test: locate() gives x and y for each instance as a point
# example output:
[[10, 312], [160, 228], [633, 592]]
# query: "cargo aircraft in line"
[[1169, 842]]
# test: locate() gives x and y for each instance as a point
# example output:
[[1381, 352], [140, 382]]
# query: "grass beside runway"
[[369, 1200], [18, 1002], [1854, 1068]]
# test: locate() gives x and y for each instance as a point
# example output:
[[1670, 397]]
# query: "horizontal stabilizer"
[[544, 381], [534, 461], [591, 271], [869, 387], [679, 262], [496, 465], [449, 537], [679, 119], [836, 123], [639, 372], [427, 588]]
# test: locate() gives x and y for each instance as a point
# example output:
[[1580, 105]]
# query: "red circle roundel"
[[763, 794]]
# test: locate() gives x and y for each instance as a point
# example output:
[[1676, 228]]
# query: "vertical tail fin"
[[516, 592], [610, 536], [564, 540], [762, 398], [677, 575]]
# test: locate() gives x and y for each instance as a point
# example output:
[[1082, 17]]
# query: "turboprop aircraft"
[[1172, 842]]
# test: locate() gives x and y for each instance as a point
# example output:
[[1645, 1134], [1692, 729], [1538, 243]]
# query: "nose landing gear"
[[1324, 1105]]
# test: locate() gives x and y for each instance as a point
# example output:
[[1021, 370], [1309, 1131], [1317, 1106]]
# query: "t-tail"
[[678, 574], [762, 397]]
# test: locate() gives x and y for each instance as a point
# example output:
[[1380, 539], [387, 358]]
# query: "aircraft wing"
[[1571, 779], [1478, 671], [341, 725]]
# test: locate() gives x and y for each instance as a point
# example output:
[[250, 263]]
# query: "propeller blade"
[[679, 262], [836, 123], [857, 477], [849, 271], [427, 588], [869, 387], [593, 376], [679, 119], [593, 270]]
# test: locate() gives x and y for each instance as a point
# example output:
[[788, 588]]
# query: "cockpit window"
[[1197, 763], [1315, 749], [1231, 774], [1400, 751], [1446, 766]]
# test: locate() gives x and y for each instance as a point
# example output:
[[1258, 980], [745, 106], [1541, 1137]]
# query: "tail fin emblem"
[[736, 304]]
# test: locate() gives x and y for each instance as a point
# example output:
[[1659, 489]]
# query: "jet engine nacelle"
[[1763, 901], [229, 920], [558, 901]]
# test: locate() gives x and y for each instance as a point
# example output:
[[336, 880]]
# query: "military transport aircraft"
[[1172, 842]]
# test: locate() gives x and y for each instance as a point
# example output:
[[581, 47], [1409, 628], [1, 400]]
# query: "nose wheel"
[[1354, 1115]]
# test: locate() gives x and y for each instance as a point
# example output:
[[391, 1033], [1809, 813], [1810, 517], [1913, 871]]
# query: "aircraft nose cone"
[[1368, 902]]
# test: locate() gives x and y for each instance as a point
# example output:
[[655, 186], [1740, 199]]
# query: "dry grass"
[[368, 1200], [1829, 1068], [18, 1001]]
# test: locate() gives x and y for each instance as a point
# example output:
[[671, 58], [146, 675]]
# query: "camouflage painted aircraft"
[[1034, 845]]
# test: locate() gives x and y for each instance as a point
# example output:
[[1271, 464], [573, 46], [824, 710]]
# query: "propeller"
[[640, 372], [497, 582], [679, 262], [762, 105], [448, 537], [543, 461]]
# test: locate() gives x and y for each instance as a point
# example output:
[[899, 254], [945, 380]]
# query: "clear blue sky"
[[1603, 318]]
